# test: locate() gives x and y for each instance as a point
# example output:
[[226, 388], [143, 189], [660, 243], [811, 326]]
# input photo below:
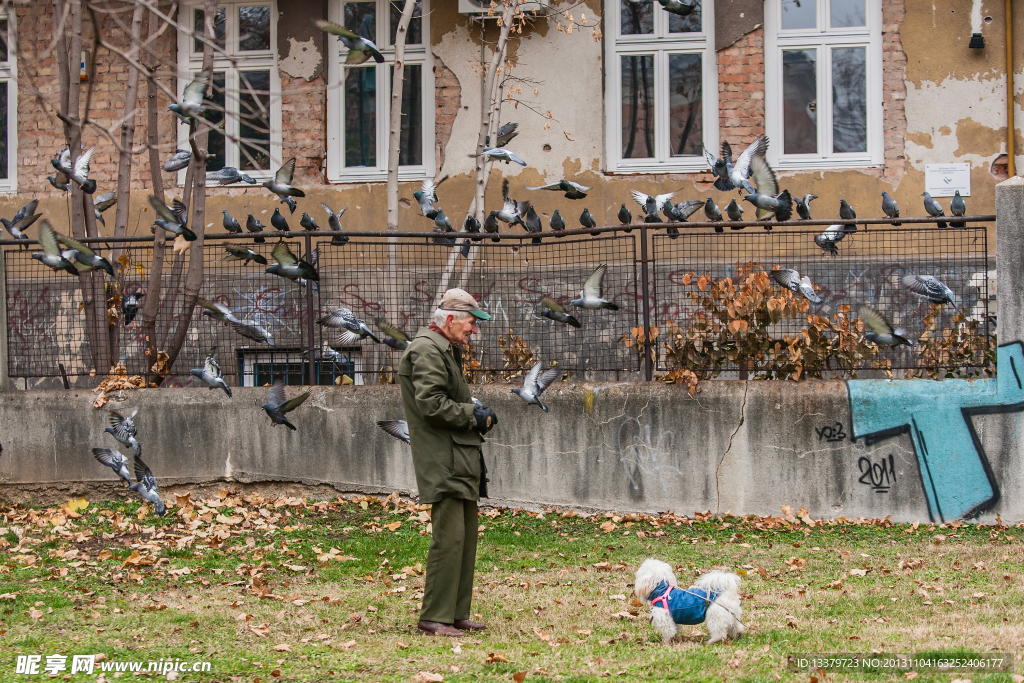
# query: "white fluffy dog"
[[715, 599]]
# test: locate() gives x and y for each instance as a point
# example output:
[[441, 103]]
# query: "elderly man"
[[446, 428]]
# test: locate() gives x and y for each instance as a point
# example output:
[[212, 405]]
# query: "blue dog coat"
[[687, 606]]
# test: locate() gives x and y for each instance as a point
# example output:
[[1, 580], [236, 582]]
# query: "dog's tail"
[[719, 582]]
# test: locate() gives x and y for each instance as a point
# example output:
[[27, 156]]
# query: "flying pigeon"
[[130, 307], [311, 258], [278, 221], [308, 223], [682, 9], [191, 105], [253, 224], [930, 289], [211, 375], [713, 213], [281, 184], [735, 213], [557, 223], [359, 49], [499, 154], [735, 177], [229, 175], [243, 254], [171, 219], [829, 239], [535, 384], [230, 224], [80, 172], [781, 205], [426, 197], [115, 460], [343, 319], [590, 295], [767, 184], [556, 311], [933, 208], [882, 332], [531, 221], [59, 181], [890, 208], [123, 429], [25, 217], [51, 255], [679, 213], [651, 205], [334, 223], [103, 202], [572, 190], [957, 207], [625, 216], [289, 266], [217, 311], [85, 255], [791, 280], [803, 206], [504, 135], [277, 406], [250, 329], [178, 161], [396, 428], [146, 486], [394, 338], [587, 221], [511, 212]]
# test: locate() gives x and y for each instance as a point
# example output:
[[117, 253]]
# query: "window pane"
[[253, 28], [361, 18], [414, 36], [3, 130], [636, 17], [685, 111], [688, 24], [800, 101], [3, 40], [360, 116], [638, 107], [254, 120], [410, 143], [215, 115], [798, 14], [848, 13], [218, 28], [849, 100]]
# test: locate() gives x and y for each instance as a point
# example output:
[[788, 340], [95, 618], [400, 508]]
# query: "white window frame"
[[232, 62], [823, 39], [661, 44], [414, 55], [9, 74]]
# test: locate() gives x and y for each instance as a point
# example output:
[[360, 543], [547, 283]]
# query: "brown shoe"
[[467, 625], [434, 628]]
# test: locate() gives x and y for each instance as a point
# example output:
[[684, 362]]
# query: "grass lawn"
[[285, 589]]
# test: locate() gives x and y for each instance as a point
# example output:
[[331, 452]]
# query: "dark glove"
[[485, 419]]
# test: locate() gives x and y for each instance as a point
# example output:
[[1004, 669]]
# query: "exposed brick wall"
[[894, 88], [447, 100], [741, 90], [304, 117]]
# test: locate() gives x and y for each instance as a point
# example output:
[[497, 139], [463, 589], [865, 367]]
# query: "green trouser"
[[451, 561]]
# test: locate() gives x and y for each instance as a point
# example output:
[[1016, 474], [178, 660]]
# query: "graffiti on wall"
[[956, 475]]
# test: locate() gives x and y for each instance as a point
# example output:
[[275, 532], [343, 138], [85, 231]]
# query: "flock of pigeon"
[[123, 429]]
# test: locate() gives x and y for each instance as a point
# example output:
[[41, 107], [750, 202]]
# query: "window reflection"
[[411, 134], [414, 35], [799, 101], [636, 16], [361, 19], [849, 100], [3, 130], [214, 104], [253, 28], [799, 14], [254, 120], [3, 40], [689, 24], [847, 13], [685, 104], [638, 107], [218, 29], [360, 116]]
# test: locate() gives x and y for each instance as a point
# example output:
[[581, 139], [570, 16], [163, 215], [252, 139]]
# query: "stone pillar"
[[5, 382], [1010, 266]]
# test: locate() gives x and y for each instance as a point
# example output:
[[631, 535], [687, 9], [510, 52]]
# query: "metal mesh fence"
[[866, 266]]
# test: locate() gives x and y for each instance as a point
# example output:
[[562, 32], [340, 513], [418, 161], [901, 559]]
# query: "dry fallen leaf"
[[283, 647], [519, 676], [493, 657], [427, 677]]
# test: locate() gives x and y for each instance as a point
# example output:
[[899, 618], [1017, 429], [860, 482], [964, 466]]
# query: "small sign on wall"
[[944, 180]]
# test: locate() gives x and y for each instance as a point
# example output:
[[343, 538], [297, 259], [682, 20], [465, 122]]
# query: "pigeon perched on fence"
[[173, 218], [343, 319], [651, 205], [289, 266], [556, 311], [130, 307], [933, 208], [426, 197], [472, 226], [178, 161], [491, 225], [680, 213], [191, 105], [277, 406], [396, 428], [228, 176], [252, 224], [791, 280], [957, 207], [394, 337], [572, 190], [334, 223], [930, 289], [123, 429], [587, 221], [735, 213], [281, 185], [307, 222], [590, 296], [535, 384], [51, 255], [846, 212], [210, 375], [230, 224], [625, 216], [359, 49], [557, 223], [86, 256], [499, 154], [146, 486], [736, 176], [803, 206], [881, 331], [278, 221], [531, 221], [115, 460], [713, 213], [890, 208]]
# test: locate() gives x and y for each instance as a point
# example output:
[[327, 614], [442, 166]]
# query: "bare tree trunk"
[[397, 84], [151, 307], [199, 143]]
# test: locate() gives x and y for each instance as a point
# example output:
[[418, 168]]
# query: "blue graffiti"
[[955, 472]]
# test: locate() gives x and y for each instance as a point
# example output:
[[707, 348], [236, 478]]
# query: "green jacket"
[[442, 430]]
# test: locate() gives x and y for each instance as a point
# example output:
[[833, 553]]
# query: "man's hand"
[[485, 418]]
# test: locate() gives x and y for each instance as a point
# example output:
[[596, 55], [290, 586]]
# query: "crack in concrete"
[[718, 470]]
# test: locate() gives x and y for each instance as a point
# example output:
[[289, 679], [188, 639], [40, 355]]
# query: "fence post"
[[1009, 241], [644, 280], [5, 381], [309, 317]]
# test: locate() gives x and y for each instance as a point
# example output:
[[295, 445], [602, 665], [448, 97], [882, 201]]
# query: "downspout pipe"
[[1010, 130]]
